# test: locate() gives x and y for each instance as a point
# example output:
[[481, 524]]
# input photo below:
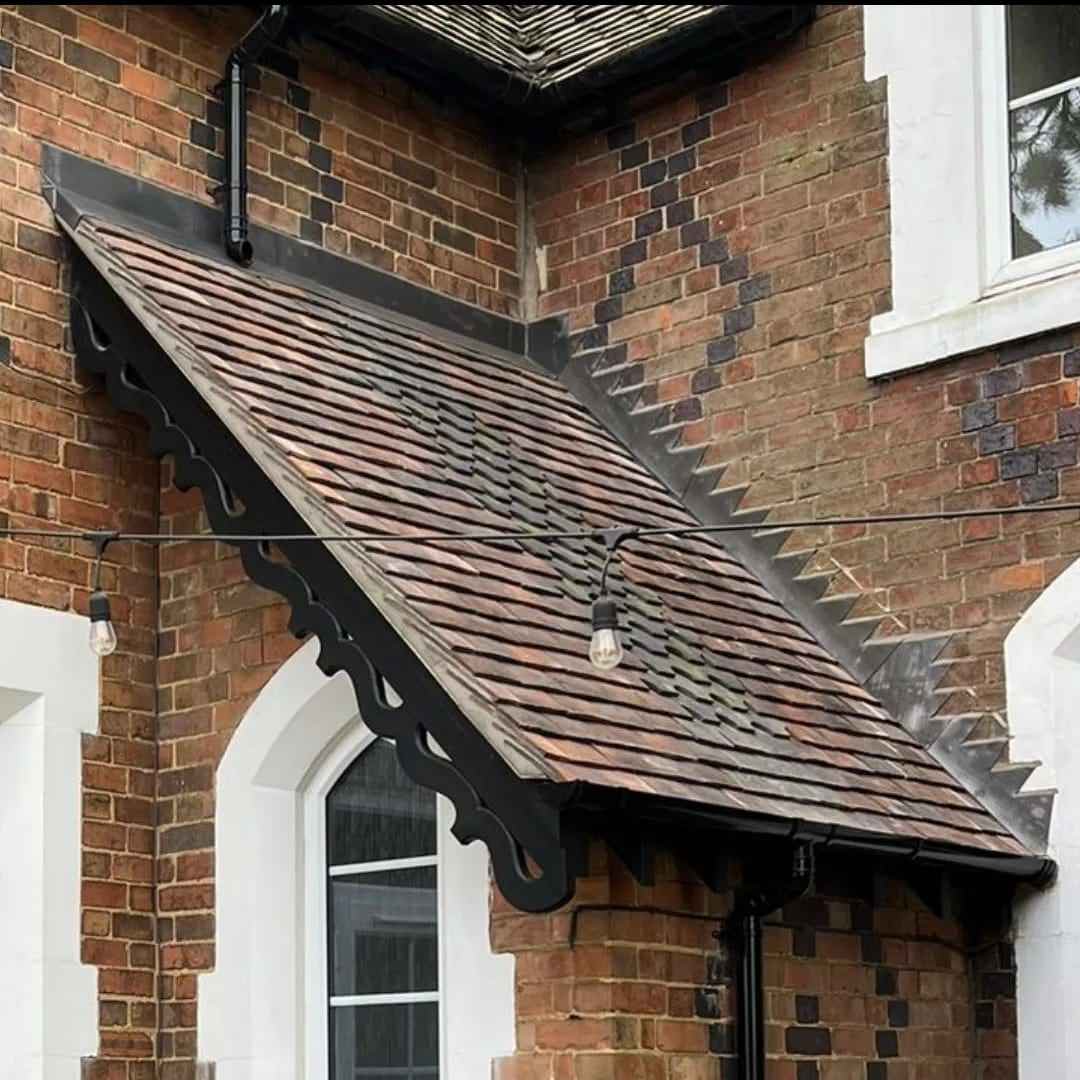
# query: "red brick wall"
[[788, 172], [861, 982], [724, 250], [356, 162]]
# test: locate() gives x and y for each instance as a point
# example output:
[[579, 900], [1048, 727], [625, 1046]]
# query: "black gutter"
[[267, 28], [751, 907], [606, 805]]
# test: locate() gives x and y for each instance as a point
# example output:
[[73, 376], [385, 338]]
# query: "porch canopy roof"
[[363, 421]]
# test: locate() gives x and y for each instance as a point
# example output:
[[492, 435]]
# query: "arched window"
[[312, 810], [382, 888]]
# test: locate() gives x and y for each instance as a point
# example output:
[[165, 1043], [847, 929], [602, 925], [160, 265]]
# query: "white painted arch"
[[1042, 672], [262, 1011], [48, 699]]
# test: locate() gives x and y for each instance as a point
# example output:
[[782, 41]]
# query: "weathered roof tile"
[[377, 426]]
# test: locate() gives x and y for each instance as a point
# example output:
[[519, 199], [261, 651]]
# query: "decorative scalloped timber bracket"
[[535, 857]]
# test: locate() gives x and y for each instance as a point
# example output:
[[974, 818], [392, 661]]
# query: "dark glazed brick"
[[309, 127], [695, 232], [682, 162], [706, 1003], [1057, 455], [705, 379], [871, 949], [455, 238], [608, 310], [1020, 463], [321, 210], [615, 354], [321, 158], [1003, 381], [6, 54], [984, 1014], [634, 156], [311, 231], [714, 251], [413, 171], [808, 1041], [298, 97], [632, 253], [680, 213], [686, 410], [885, 981], [1039, 346], [664, 194], [80, 56], [804, 942], [720, 351], [862, 918], [806, 1009], [5, 350], [979, 415], [877, 1070], [621, 136], [899, 1013], [1038, 488], [695, 132], [288, 67], [888, 1045], [806, 1070], [1069, 422], [621, 281], [215, 113], [757, 288], [203, 135], [716, 97], [996, 439], [735, 322], [653, 173], [648, 224], [735, 269], [332, 188], [721, 1038], [1072, 362]]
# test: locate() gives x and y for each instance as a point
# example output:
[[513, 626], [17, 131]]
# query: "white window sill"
[[1008, 316]]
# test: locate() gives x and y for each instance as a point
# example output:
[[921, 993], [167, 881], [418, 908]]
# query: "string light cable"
[[605, 648]]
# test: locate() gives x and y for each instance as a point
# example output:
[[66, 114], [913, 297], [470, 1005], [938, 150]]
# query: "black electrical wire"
[[624, 533]]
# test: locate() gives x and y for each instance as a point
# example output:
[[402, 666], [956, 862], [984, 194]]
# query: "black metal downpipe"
[[747, 916], [247, 51]]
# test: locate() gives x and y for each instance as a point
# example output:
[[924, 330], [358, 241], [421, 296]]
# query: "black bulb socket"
[[99, 607], [605, 614]]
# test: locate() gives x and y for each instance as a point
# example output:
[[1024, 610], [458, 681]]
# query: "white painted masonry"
[[955, 288], [263, 1010], [48, 698], [1042, 678]]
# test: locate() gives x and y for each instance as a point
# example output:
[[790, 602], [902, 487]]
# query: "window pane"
[[384, 935], [1044, 155], [1044, 46], [376, 812], [385, 1042]]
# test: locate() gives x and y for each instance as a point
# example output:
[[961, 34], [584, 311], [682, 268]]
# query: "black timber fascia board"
[[511, 816], [76, 187]]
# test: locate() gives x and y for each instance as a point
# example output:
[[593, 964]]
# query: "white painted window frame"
[[48, 701], [956, 287], [263, 1012]]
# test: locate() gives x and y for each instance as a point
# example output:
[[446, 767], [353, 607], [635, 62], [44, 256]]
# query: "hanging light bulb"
[[102, 631], [605, 648]]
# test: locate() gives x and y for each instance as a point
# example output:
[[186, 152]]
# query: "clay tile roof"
[[376, 425]]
